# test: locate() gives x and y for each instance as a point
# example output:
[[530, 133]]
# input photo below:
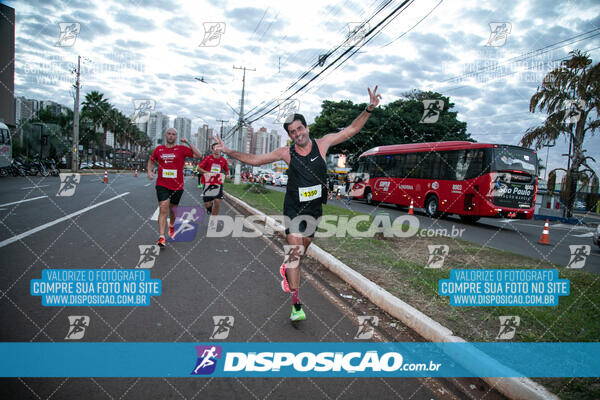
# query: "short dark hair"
[[212, 146], [291, 118]]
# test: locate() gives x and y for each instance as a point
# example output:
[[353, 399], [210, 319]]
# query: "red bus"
[[472, 180]]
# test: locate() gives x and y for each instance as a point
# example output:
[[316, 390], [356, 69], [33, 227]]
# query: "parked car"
[[266, 178], [281, 180], [86, 165]]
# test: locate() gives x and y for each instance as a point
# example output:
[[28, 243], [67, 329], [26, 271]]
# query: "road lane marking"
[[148, 184], [154, 216], [34, 187], [22, 201], [56, 221]]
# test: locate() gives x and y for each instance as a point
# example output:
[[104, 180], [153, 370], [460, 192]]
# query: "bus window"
[[434, 165], [410, 166], [1, 136], [398, 170], [475, 168]]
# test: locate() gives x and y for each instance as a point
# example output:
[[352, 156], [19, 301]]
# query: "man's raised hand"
[[373, 98], [220, 145]]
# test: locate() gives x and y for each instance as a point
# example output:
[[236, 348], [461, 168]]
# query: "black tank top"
[[307, 178]]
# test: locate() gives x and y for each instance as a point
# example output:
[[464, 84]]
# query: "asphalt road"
[[518, 236], [101, 226]]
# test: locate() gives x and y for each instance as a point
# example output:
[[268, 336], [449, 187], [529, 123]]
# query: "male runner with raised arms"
[[215, 164], [306, 189], [169, 184]]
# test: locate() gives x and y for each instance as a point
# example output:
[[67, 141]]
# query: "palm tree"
[[569, 94], [96, 108]]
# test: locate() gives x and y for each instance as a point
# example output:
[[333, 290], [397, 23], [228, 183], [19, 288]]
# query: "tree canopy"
[[394, 123]]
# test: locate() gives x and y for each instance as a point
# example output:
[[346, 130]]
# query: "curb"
[[433, 331]]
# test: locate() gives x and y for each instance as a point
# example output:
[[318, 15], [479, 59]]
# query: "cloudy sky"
[[140, 49]]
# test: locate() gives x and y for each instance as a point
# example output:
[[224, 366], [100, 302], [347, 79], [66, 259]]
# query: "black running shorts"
[[162, 194]]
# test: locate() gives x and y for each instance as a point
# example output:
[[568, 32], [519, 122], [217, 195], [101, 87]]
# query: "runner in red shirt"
[[213, 184], [169, 183]]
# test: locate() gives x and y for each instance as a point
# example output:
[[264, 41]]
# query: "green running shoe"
[[297, 313]]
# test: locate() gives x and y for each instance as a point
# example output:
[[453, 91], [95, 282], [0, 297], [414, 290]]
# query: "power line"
[[349, 50], [317, 64]]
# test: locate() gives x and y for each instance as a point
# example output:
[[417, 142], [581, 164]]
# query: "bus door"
[[469, 169]]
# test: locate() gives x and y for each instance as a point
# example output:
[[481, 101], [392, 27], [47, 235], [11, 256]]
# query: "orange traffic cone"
[[135, 175], [105, 180], [545, 238], [411, 210]]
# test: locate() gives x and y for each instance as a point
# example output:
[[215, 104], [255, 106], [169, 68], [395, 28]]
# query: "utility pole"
[[221, 121], [241, 120], [75, 158]]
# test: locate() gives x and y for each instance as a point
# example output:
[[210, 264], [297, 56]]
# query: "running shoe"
[[171, 231], [284, 283], [161, 242], [297, 313]]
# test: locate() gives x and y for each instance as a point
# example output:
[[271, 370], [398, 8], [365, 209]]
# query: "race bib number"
[[169, 173], [215, 168], [309, 193], [213, 182]]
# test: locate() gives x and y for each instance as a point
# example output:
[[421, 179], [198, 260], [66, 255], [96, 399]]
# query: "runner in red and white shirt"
[[209, 167], [169, 183]]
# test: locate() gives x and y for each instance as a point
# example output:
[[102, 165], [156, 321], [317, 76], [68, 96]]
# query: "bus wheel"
[[431, 207], [469, 218]]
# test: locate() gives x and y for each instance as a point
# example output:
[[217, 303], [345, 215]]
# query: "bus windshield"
[[513, 158]]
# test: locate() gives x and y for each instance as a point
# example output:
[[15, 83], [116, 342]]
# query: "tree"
[[570, 95], [97, 108], [395, 123]]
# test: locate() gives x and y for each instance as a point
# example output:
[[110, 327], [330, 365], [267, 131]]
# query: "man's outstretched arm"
[[252, 159]]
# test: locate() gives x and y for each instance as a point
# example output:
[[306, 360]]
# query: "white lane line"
[[34, 187], [22, 201], [148, 184], [154, 216], [56, 221]]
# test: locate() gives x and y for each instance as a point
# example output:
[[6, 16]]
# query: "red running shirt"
[[170, 165], [212, 164]]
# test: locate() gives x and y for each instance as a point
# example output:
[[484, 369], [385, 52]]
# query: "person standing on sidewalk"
[[212, 168], [169, 183], [306, 189]]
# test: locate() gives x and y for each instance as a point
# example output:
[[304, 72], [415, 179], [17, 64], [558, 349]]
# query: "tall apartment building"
[[183, 126], [157, 125], [25, 108], [205, 135]]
